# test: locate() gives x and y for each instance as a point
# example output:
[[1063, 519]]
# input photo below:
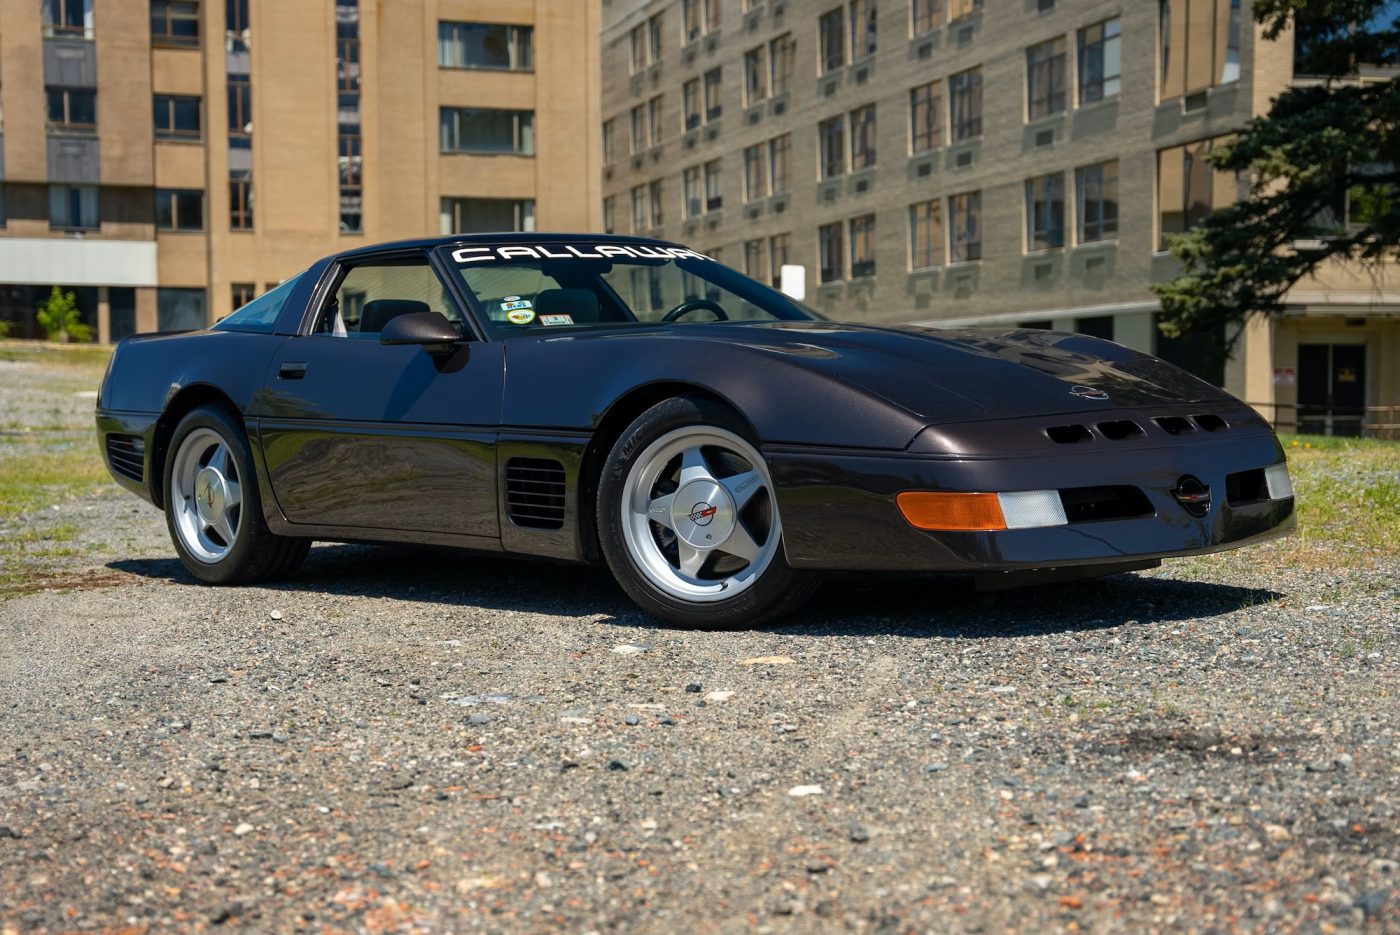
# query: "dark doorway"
[[1331, 388]]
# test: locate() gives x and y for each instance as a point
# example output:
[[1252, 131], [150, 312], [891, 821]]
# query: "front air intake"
[[535, 493]]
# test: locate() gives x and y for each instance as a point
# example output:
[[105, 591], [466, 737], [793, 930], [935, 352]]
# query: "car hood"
[[950, 375]]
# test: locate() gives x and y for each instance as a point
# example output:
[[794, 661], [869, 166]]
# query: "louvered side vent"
[[535, 493], [127, 455]]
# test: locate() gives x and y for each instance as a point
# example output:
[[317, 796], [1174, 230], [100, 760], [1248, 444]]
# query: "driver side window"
[[371, 294]]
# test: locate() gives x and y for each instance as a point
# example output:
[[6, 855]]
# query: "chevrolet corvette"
[[634, 403]]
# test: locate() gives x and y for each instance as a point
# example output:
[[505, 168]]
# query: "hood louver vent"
[[535, 493]]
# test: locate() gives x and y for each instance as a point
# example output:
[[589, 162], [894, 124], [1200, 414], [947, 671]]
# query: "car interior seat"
[[379, 312]]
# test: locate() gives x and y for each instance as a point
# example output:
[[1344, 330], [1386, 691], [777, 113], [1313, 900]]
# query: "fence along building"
[[168, 160], [966, 162]]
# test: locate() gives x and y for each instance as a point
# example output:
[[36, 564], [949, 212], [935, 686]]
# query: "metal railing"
[[1367, 422]]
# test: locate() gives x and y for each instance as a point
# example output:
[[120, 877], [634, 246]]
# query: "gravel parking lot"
[[411, 740]]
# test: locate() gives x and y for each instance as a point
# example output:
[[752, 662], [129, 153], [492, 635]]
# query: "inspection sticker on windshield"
[[520, 316], [548, 320], [512, 302]]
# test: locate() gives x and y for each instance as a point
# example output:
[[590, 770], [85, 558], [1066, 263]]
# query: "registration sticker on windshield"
[[548, 320], [512, 302], [520, 316]]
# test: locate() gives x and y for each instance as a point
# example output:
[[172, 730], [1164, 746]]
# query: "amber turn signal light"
[[951, 511]]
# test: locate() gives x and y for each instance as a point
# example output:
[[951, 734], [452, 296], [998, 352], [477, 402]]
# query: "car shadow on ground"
[[856, 605]]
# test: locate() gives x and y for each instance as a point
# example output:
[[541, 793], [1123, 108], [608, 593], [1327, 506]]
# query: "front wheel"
[[689, 523], [212, 507]]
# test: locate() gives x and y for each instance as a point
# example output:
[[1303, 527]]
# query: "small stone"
[[617, 766], [629, 649], [693, 688], [936, 767], [276, 615], [666, 721], [632, 720], [1277, 833], [1321, 766], [799, 792], [279, 737], [719, 695], [768, 661], [479, 719], [859, 833], [242, 829]]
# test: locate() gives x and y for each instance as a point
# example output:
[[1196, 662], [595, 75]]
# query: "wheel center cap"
[[702, 514], [210, 494]]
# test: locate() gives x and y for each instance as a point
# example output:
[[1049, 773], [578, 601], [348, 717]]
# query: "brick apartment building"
[[967, 162], [170, 159]]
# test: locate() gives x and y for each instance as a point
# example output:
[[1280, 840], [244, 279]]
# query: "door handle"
[[291, 371]]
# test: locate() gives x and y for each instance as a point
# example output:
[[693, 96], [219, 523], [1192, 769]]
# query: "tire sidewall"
[[769, 595], [232, 567]]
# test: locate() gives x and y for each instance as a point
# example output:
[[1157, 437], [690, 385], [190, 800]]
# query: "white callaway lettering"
[[543, 251]]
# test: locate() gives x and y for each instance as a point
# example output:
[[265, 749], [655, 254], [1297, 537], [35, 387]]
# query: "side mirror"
[[430, 330]]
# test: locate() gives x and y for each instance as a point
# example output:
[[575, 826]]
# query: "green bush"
[[59, 317]]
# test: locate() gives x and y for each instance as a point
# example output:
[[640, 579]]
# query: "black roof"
[[504, 238]]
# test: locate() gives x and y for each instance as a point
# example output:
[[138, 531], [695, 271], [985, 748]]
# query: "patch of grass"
[[1348, 492], [90, 358], [42, 470]]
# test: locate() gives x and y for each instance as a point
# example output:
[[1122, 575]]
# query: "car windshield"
[[522, 288]]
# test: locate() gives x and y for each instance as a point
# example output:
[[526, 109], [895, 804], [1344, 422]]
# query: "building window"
[[609, 215], [609, 141], [782, 52], [236, 25], [714, 194], [177, 117], [831, 142], [863, 137], [654, 37], [690, 179], [73, 207], [965, 101], [831, 253], [1189, 188], [175, 22], [349, 155], [1045, 212], [242, 294], [832, 36], [699, 17], [72, 18], [755, 76], [1200, 45], [72, 109], [240, 202], [1100, 61], [485, 45], [179, 209], [755, 178], [713, 105], [1096, 188], [1045, 78], [639, 129], [180, 309], [240, 106], [778, 247], [965, 215], [753, 258], [657, 204], [690, 94], [926, 235], [862, 246], [863, 28], [486, 215], [654, 120], [488, 131], [779, 164], [638, 39], [712, 12], [925, 117], [639, 209], [924, 15], [957, 9]]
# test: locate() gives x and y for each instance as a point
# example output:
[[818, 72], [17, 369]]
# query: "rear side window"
[[260, 315]]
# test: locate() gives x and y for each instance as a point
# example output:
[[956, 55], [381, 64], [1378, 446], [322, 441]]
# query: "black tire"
[[257, 554], [779, 589]]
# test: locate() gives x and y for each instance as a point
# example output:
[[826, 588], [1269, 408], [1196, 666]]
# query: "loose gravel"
[[412, 740]]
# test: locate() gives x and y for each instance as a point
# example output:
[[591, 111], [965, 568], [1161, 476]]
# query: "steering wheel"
[[694, 305]]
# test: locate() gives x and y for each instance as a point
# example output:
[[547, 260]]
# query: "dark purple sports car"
[[629, 401]]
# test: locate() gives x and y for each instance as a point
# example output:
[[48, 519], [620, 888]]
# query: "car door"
[[362, 435]]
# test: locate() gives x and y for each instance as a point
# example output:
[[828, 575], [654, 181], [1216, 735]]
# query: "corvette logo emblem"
[[209, 494], [1088, 392], [1193, 496], [703, 514]]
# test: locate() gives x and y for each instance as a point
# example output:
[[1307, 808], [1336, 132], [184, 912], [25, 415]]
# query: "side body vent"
[[127, 455], [535, 493], [1068, 434]]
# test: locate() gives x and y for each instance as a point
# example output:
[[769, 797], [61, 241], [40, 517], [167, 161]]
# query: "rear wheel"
[[689, 522], [212, 505]]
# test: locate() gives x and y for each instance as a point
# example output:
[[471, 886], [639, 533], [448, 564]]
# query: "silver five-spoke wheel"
[[206, 496], [698, 514]]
